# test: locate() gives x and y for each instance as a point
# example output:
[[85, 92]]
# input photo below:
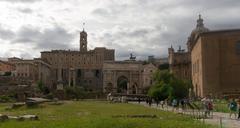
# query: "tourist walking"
[[233, 108], [157, 102], [139, 100], [206, 106], [182, 102], [162, 103], [150, 102], [210, 108], [174, 104]]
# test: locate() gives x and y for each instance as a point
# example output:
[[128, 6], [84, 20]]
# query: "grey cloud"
[[142, 41], [145, 27], [51, 38], [25, 10], [101, 11], [26, 55], [6, 34], [210, 3], [21, 1]]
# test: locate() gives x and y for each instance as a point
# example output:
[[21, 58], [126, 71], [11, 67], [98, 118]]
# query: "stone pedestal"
[[60, 94], [59, 85]]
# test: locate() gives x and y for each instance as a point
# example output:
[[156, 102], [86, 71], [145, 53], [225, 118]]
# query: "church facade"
[[213, 60]]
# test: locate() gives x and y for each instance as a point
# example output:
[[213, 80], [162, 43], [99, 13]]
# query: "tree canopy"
[[166, 85]]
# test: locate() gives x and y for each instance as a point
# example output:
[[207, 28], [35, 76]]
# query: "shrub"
[[75, 92], [44, 89], [5, 98], [49, 96]]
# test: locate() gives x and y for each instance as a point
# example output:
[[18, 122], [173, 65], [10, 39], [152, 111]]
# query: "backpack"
[[232, 105], [210, 106]]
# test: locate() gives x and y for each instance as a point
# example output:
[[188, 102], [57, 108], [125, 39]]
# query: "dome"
[[199, 28], [195, 32]]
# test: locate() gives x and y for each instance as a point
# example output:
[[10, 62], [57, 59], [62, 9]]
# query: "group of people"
[[207, 105], [233, 106], [175, 103]]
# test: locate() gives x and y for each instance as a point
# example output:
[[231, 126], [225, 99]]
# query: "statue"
[[132, 57]]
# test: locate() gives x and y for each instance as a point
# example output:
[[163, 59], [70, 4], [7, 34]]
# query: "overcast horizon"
[[141, 27]]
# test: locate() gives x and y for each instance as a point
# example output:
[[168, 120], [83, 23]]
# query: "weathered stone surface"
[[17, 105], [3, 117]]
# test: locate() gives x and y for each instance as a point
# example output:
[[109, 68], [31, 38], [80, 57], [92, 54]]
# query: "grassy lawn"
[[218, 106], [221, 106], [97, 114]]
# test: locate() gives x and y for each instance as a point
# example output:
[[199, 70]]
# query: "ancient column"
[[69, 77], [59, 85], [115, 82], [74, 77], [129, 83]]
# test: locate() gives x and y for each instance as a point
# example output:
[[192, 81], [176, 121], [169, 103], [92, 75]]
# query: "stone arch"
[[134, 88], [122, 84]]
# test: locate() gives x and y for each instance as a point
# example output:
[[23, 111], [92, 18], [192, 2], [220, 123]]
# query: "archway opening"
[[134, 88], [122, 84]]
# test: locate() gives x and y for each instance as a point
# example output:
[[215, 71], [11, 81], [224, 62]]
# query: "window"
[[79, 73], [238, 48], [97, 73]]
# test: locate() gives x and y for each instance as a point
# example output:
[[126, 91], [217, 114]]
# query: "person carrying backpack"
[[210, 108], [233, 108]]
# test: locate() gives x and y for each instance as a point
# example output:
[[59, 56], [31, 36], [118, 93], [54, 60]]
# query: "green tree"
[[160, 91], [44, 89], [163, 67], [167, 86]]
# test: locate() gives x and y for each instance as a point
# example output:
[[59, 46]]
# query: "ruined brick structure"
[[78, 68]]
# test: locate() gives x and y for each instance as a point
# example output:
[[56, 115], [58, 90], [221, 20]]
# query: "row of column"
[[71, 78]]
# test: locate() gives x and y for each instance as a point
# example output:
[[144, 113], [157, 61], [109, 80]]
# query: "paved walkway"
[[215, 120]]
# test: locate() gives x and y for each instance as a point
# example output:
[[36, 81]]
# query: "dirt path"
[[217, 116]]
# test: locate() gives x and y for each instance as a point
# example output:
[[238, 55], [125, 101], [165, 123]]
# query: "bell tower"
[[83, 41]]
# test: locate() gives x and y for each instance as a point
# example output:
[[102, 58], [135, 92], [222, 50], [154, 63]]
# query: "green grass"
[[221, 107], [97, 114], [218, 106]]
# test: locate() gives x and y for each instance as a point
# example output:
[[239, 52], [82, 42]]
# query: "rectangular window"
[[238, 48]]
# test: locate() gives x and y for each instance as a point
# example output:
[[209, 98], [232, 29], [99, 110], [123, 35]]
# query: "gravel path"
[[215, 120]]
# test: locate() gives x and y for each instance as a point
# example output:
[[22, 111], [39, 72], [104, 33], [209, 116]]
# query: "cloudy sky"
[[142, 27]]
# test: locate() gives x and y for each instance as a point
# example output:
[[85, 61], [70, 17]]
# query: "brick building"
[[213, 58], [6, 67], [180, 63], [78, 68]]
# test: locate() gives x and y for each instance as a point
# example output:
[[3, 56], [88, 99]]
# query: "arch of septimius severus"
[[129, 77]]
